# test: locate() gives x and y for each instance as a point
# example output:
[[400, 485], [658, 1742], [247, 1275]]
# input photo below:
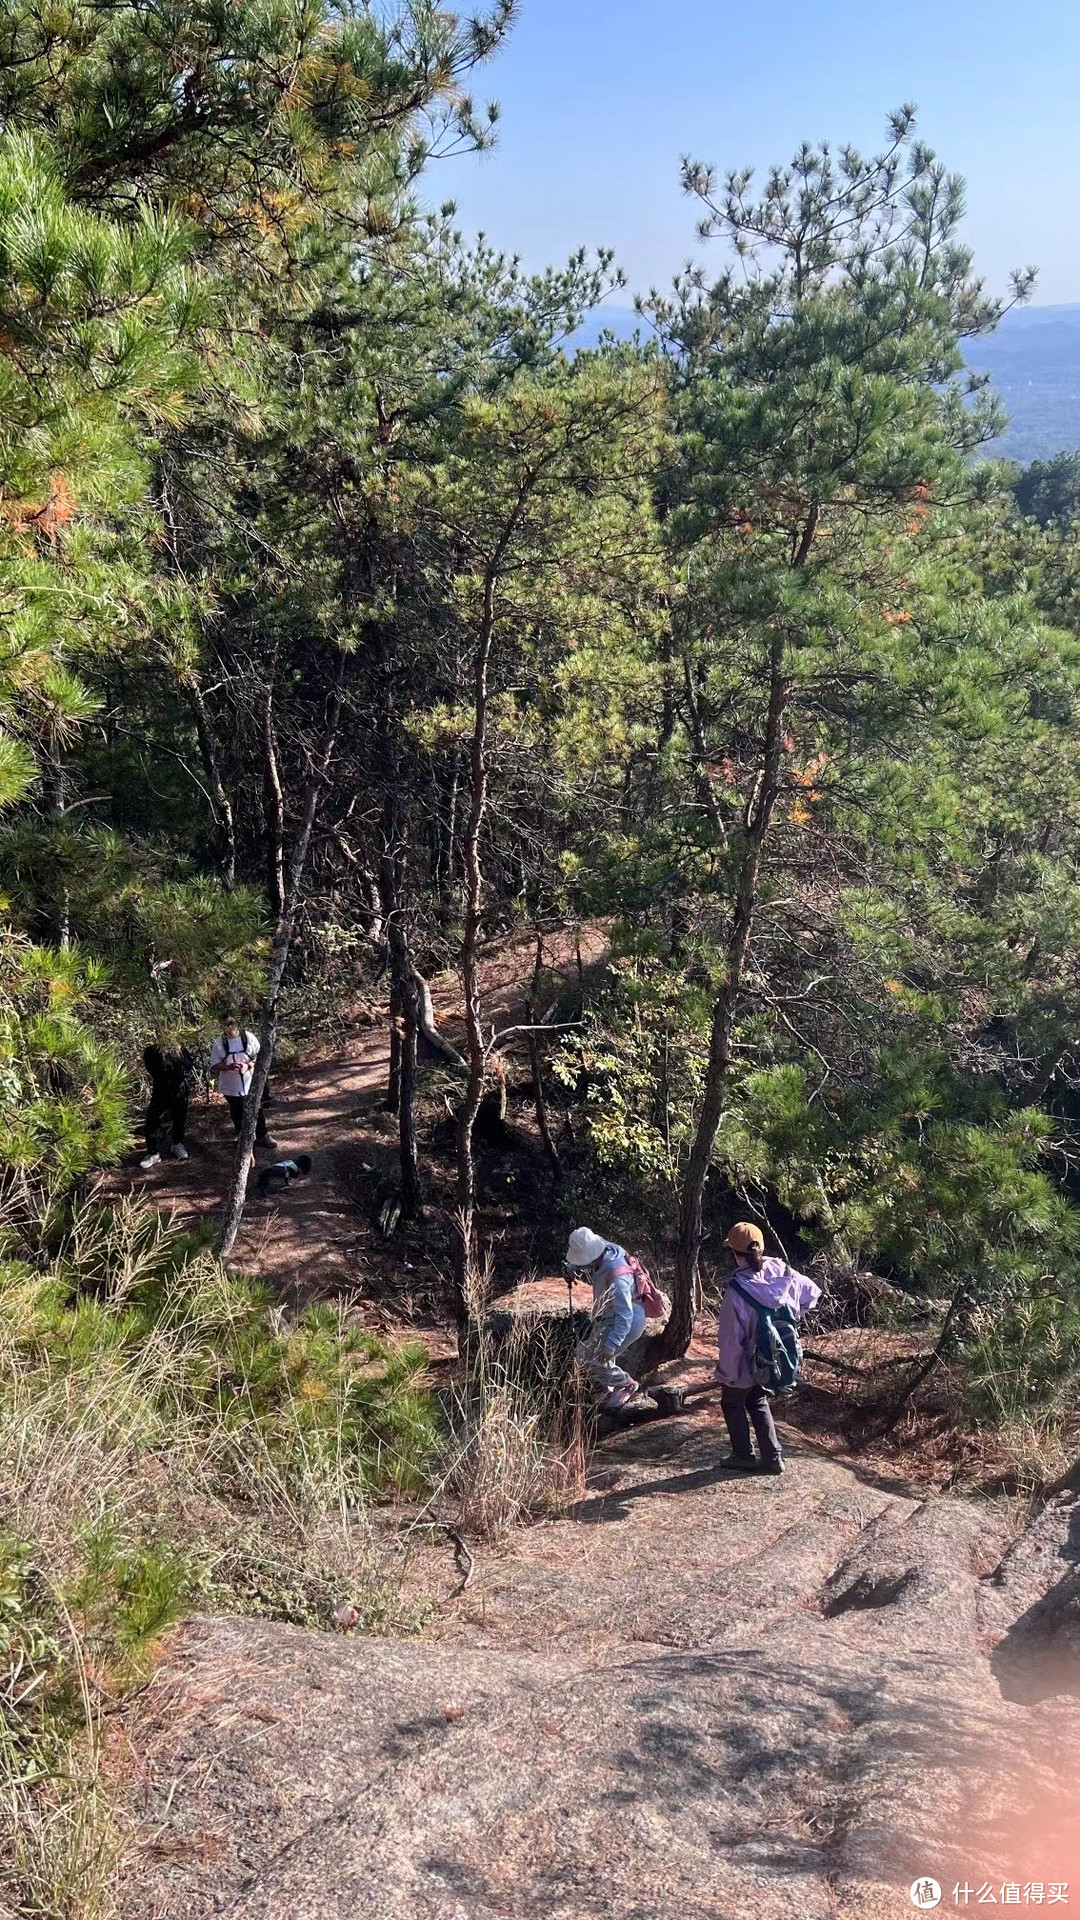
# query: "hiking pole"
[[570, 1293]]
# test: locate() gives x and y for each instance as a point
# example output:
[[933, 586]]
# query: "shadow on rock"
[[1038, 1658]]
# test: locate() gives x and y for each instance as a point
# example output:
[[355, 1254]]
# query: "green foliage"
[[179, 948], [123, 1598], [264, 117], [95, 324], [636, 1069], [1048, 491], [317, 1396], [63, 1108], [1021, 1354]]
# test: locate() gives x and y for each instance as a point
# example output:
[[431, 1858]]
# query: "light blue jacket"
[[614, 1305]]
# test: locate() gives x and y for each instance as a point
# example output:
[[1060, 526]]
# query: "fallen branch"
[[864, 1373], [466, 1565], [461, 1553], [425, 1019], [563, 1026], [929, 1361]]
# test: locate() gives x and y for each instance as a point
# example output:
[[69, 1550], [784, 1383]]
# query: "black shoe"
[[736, 1463], [772, 1466]]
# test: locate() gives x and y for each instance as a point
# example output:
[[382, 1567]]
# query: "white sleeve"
[[251, 1045], [217, 1053]]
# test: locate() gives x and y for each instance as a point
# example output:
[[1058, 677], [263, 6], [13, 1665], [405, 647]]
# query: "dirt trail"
[[316, 1239], [327, 1106], [696, 1698]]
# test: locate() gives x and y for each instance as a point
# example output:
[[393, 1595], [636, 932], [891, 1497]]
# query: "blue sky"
[[600, 98]]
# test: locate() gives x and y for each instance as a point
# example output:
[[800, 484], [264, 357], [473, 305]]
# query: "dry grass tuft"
[[515, 1445]]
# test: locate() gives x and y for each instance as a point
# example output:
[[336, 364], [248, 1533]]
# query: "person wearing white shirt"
[[232, 1063]]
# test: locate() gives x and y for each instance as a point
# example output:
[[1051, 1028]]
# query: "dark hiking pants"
[[236, 1103], [737, 1404], [170, 1106]]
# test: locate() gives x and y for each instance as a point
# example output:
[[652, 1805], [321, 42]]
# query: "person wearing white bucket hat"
[[584, 1246], [618, 1316]]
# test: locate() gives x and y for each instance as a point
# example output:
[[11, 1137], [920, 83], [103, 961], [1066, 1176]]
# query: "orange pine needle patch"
[[46, 517], [806, 778]]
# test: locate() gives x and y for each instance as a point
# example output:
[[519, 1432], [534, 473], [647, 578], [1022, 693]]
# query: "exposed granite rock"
[[696, 1699]]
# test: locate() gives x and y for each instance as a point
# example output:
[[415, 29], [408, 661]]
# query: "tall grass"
[[60, 1839], [167, 1438]]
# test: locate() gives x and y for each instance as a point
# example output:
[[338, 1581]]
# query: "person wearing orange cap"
[[756, 1281]]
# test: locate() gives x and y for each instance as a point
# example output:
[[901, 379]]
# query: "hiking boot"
[[270, 1145], [180, 1152], [740, 1463], [772, 1466], [620, 1396], [150, 1160]]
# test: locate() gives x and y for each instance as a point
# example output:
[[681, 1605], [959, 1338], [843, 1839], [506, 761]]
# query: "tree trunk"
[[407, 1148], [532, 1012], [390, 913], [463, 1233], [701, 757], [404, 1018], [226, 823], [425, 1020], [540, 1103], [673, 1341], [233, 1209], [274, 806], [392, 1103]]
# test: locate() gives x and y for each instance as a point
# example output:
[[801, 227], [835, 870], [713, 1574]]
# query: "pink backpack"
[[644, 1289]]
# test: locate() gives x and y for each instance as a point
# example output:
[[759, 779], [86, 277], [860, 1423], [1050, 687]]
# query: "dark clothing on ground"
[[737, 1403], [236, 1102], [172, 1076], [281, 1174]]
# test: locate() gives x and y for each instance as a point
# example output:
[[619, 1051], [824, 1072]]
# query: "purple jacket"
[[777, 1285]]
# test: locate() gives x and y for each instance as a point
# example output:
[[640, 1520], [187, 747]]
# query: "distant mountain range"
[[1034, 364], [1033, 360]]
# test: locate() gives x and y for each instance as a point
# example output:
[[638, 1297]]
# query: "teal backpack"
[[778, 1354]]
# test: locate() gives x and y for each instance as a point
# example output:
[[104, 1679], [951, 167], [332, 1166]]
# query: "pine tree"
[[825, 425], [96, 327], [539, 504]]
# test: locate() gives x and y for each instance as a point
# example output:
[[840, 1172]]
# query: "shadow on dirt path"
[[302, 1241], [316, 1240]]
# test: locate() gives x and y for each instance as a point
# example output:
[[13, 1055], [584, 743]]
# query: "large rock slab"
[[696, 1699]]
